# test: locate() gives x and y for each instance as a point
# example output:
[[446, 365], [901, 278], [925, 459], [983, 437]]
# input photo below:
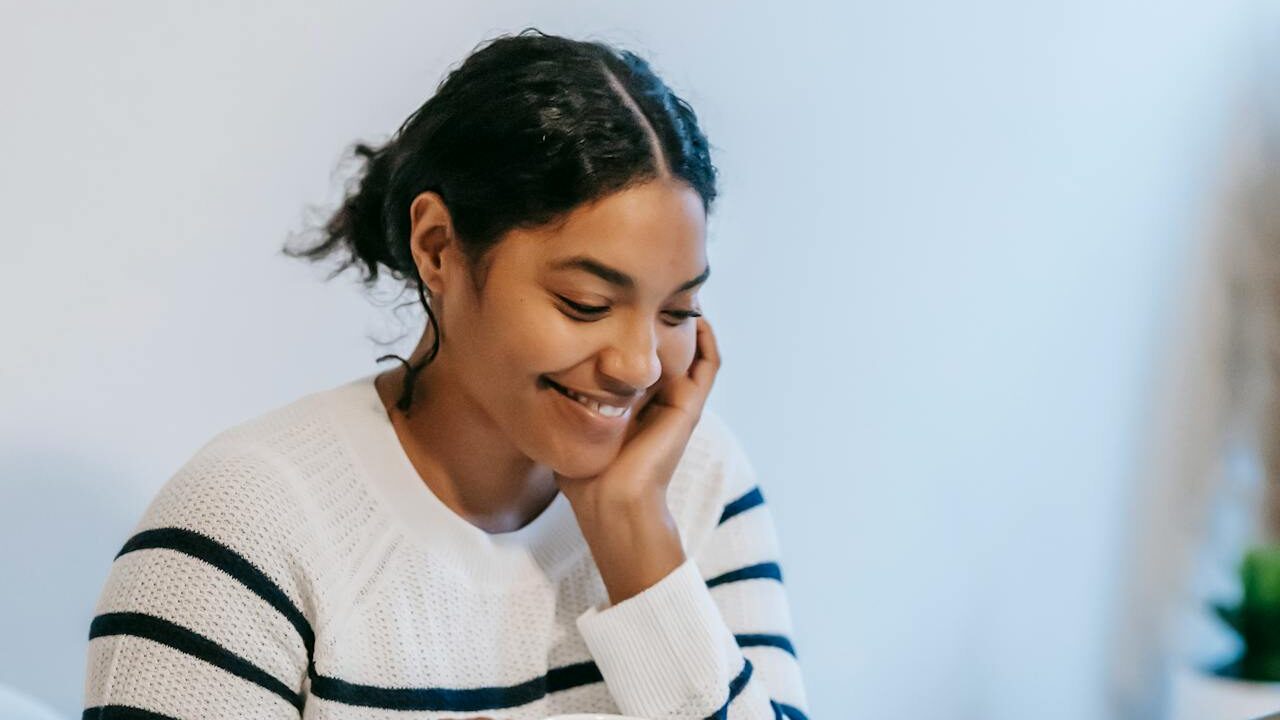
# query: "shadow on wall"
[[61, 524]]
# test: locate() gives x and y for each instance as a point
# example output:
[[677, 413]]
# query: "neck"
[[461, 453]]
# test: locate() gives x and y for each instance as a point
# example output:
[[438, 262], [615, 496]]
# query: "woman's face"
[[593, 305]]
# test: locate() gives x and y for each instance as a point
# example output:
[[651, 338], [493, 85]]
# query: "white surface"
[[588, 716], [1199, 696]]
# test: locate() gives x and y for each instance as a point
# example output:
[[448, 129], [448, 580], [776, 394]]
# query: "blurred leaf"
[[1230, 616], [1261, 576]]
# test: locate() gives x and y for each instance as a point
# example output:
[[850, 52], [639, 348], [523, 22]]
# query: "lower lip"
[[593, 424]]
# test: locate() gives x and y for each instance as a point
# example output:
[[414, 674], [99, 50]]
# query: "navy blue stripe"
[[751, 499], [756, 640], [572, 676], [235, 565], [121, 712], [764, 570], [430, 699], [454, 700], [735, 689], [203, 547], [190, 643], [790, 712]]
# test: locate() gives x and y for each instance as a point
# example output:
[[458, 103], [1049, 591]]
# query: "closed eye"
[[595, 312], [584, 309]]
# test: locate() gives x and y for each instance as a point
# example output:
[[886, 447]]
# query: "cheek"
[[677, 353], [539, 341], [536, 342]]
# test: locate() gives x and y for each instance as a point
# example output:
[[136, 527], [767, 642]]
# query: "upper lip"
[[614, 400]]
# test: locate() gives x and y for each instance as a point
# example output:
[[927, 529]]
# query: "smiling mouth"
[[598, 408]]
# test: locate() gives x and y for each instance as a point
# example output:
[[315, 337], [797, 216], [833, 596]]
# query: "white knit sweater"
[[297, 566]]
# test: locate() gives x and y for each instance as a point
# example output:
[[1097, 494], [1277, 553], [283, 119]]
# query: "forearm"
[[635, 542]]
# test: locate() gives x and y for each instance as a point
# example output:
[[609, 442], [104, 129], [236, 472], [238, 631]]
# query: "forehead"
[[654, 232]]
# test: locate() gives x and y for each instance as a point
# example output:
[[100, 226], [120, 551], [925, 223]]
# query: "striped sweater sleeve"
[[713, 638], [204, 612]]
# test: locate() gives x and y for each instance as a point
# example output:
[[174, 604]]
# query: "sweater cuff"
[[665, 651]]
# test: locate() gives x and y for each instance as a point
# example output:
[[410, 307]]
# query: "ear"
[[431, 239]]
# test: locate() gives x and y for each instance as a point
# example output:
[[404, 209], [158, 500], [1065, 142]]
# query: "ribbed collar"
[[545, 545]]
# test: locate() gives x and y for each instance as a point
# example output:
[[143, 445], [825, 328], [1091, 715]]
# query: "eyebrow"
[[615, 276]]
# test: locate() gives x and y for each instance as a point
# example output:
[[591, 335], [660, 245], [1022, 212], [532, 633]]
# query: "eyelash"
[[597, 310]]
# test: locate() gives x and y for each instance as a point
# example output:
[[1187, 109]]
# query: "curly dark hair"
[[527, 128]]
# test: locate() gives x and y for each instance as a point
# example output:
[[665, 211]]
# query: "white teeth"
[[605, 410]]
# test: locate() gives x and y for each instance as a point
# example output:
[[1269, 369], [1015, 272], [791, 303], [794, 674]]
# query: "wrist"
[[635, 542]]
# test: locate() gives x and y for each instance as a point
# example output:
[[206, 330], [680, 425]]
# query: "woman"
[[531, 515]]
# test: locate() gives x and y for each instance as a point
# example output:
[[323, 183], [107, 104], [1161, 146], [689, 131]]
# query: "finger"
[[707, 361], [690, 390]]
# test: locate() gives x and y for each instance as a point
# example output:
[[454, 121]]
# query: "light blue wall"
[[947, 259]]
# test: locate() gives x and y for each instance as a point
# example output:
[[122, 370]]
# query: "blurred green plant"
[[1256, 618]]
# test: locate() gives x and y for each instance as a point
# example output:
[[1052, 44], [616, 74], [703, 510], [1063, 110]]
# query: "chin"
[[585, 463]]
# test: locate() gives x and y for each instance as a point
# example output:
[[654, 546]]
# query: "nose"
[[632, 360]]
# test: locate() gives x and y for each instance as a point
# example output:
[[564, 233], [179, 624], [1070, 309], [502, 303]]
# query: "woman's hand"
[[622, 510]]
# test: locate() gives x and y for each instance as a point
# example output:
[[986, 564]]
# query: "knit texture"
[[298, 567]]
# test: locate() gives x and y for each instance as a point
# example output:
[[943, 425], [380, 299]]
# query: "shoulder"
[[272, 457], [714, 472], [246, 487], [236, 494], [269, 502], [717, 449]]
